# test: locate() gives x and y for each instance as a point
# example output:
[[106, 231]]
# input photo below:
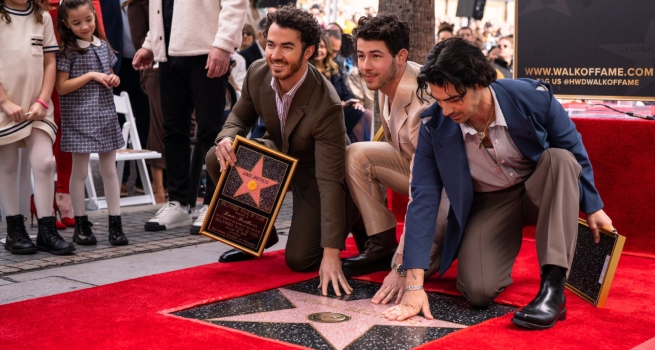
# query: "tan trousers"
[[371, 164], [550, 198]]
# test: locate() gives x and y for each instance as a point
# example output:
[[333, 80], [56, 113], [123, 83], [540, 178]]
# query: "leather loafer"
[[550, 304], [236, 255], [376, 256]]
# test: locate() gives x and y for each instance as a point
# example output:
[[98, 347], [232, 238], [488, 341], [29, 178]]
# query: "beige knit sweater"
[[197, 27]]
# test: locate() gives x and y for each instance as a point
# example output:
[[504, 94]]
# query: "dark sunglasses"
[[246, 33]]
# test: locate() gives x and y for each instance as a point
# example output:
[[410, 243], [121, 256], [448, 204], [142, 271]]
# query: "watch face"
[[399, 269]]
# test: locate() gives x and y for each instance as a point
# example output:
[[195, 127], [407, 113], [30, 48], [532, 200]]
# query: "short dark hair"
[[458, 62], [384, 27], [290, 17]]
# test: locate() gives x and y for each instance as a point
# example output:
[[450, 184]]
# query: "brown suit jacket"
[[314, 132]]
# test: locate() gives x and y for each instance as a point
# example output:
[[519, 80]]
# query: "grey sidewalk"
[[28, 276]]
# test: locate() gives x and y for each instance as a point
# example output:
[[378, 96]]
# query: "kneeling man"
[[304, 119], [508, 156]]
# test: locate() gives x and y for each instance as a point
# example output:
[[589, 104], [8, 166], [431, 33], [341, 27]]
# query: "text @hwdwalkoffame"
[[589, 76]]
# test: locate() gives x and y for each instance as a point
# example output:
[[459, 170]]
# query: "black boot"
[[18, 241], [235, 255], [83, 234], [550, 304], [49, 240], [359, 234], [377, 255], [116, 235]]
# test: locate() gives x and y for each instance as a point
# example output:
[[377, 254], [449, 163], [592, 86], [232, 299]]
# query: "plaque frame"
[[609, 264], [221, 199]]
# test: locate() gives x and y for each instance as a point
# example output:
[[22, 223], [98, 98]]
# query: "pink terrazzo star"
[[253, 181], [363, 313]]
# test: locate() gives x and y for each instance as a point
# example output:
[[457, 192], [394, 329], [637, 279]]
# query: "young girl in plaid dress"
[[88, 115]]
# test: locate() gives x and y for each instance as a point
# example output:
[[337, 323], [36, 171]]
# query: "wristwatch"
[[399, 269]]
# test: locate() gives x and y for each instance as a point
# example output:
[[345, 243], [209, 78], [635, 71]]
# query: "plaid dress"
[[88, 115]]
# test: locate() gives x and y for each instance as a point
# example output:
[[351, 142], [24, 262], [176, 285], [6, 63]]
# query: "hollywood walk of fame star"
[[364, 315], [558, 5], [253, 181]]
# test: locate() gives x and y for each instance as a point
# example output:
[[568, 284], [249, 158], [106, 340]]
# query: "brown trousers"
[[550, 198]]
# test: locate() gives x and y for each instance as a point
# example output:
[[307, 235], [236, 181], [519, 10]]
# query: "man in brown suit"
[[304, 119], [382, 44]]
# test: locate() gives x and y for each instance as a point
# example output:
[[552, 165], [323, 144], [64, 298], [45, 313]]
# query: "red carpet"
[[129, 314]]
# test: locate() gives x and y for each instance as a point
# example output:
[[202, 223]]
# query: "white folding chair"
[[127, 153]]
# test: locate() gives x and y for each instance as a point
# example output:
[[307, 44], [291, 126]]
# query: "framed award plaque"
[[248, 197], [594, 264]]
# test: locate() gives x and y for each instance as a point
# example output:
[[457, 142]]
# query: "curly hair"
[[67, 39], [290, 17], [458, 62], [39, 8], [383, 27]]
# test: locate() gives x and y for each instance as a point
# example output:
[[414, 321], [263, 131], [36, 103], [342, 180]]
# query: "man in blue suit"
[[508, 156]]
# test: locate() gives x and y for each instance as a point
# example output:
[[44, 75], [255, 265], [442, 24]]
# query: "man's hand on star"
[[393, 286], [331, 271], [413, 301], [225, 153], [411, 304]]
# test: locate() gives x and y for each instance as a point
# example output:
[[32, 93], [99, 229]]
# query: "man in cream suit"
[[382, 44], [304, 119]]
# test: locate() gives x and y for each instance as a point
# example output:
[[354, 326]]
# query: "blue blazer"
[[536, 121]]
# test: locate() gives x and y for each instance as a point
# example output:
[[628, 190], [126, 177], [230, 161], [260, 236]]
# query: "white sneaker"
[[171, 215], [195, 228]]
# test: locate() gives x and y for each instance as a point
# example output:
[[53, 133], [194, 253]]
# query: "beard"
[[290, 68], [384, 77]]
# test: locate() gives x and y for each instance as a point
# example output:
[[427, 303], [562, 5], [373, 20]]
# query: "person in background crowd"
[[254, 14], [466, 33], [89, 122], [506, 46], [318, 14], [357, 85], [137, 14], [27, 120], [255, 51], [356, 116], [248, 36], [502, 68], [339, 42], [445, 32], [193, 65]]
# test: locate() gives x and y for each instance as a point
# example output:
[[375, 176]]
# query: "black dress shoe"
[[550, 304], [359, 234], [376, 256], [236, 255]]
